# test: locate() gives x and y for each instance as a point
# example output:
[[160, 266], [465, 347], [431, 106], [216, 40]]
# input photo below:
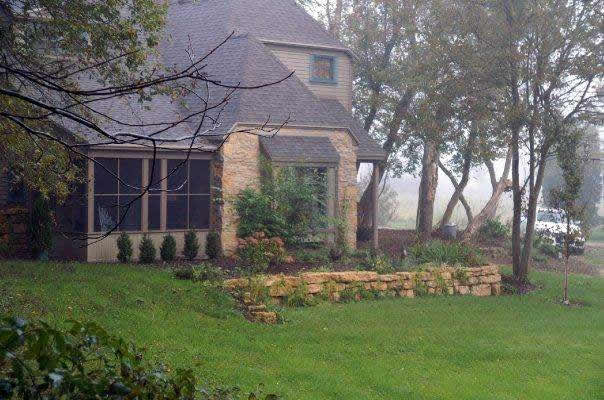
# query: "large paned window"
[[188, 194], [178, 196], [117, 187]]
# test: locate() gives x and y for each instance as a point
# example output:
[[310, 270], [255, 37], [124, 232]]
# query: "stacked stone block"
[[479, 281]]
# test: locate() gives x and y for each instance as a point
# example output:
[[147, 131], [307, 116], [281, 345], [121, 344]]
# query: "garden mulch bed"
[[513, 286]]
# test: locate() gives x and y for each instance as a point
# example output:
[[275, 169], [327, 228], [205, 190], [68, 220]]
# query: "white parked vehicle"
[[551, 225]]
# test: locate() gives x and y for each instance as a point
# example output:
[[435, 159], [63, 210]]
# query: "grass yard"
[[510, 347]]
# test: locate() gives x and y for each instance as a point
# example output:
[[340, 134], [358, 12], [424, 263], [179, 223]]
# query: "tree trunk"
[[427, 190], [520, 272], [364, 207], [490, 209], [531, 212], [459, 188], [462, 198]]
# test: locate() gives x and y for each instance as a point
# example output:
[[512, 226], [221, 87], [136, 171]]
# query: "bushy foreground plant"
[[38, 361], [201, 272], [191, 247], [147, 251], [288, 204], [124, 248], [494, 229], [167, 251], [256, 257], [451, 253]]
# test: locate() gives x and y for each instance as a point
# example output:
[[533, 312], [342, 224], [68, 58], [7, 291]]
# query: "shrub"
[[213, 245], [124, 247], [86, 362], [167, 251], [494, 229], [201, 272], [147, 251], [379, 263], [287, 205], [40, 228], [255, 258], [191, 246], [257, 214], [299, 296], [546, 247], [451, 253], [335, 253]]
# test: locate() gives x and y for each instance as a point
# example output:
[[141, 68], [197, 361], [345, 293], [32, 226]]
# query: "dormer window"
[[323, 69]]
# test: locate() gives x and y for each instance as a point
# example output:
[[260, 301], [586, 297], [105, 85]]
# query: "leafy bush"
[[379, 263], [299, 297], [312, 255], [147, 251], [256, 258], [191, 248], [546, 247], [40, 227], [86, 362], [213, 245], [167, 250], [335, 253], [124, 247], [494, 229], [452, 253], [201, 272], [287, 205]]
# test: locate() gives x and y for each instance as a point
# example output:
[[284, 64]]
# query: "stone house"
[[271, 38]]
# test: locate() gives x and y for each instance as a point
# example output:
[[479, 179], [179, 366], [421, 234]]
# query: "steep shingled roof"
[[196, 27]]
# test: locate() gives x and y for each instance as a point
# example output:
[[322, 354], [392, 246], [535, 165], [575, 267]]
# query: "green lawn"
[[510, 347]]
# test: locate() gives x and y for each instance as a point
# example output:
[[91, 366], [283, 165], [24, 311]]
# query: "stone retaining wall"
[[480, 281]]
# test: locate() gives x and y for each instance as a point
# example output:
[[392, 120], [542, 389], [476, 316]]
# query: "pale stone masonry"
[[479, 281]]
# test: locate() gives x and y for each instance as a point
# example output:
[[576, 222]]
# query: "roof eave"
[[307, 45]]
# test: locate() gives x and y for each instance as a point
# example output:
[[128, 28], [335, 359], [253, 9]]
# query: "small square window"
[[322, 69]]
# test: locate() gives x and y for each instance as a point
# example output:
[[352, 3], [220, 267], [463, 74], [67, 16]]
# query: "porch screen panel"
[[188, 194]]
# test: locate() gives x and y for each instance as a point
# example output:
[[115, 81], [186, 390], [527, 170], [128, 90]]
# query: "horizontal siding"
[[106, 249], [298, 60]]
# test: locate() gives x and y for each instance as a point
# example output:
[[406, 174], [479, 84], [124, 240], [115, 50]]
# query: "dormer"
[[326, 72]]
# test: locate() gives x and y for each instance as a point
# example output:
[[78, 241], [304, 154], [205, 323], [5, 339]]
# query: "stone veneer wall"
[[480, 281], [240, 169]]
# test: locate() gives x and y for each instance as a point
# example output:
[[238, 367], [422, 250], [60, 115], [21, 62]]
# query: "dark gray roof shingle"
[[299, 149], [194, 28]]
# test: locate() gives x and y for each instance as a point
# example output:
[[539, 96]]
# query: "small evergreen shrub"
[[124, 247], [40, 228], [167, 251], [147, 251], [494, 229], [191, 248], [213, 245]]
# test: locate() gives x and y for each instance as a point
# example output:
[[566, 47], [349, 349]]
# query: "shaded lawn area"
[[509, 347]]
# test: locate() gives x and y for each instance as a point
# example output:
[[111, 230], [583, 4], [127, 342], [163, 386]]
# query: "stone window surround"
[[147, 157]]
